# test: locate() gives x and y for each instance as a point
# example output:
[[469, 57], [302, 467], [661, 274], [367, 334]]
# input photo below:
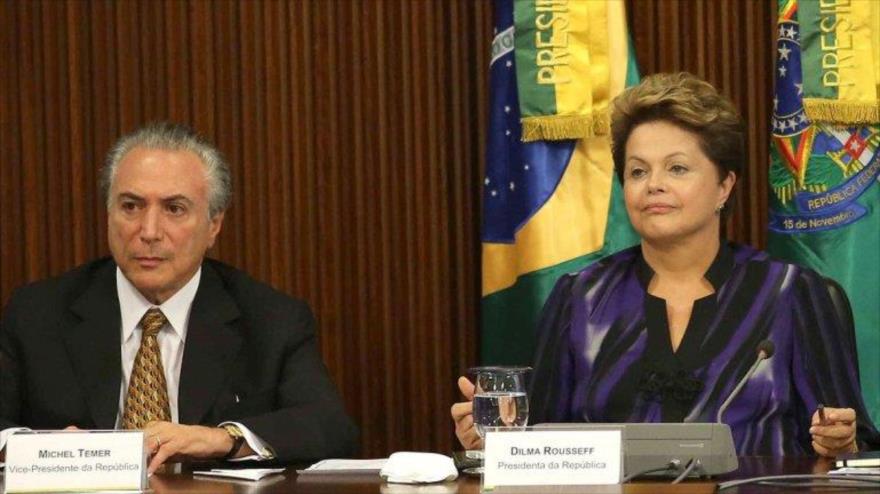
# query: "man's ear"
[[215, 226]]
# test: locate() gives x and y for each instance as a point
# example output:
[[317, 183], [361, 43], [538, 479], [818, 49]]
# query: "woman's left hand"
[[837, 435]]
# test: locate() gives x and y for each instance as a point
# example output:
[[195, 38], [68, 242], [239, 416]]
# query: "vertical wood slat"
[[178, 61], [356, 131], [12, 245], [81, 185], [32, 139], [103, 107], [362, 175], [53, 128]]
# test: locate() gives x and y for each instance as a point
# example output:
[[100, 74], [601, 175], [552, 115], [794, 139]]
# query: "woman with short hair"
[[664, 331]]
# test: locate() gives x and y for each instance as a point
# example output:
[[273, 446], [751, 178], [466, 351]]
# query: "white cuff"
[[4, 435], [261, 448]]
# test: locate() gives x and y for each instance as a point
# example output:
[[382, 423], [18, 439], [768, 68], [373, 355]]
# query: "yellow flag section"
[[562, 50], [840, 50], [573, 221]]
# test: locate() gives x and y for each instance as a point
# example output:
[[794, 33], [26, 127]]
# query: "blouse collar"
[[718, 273]]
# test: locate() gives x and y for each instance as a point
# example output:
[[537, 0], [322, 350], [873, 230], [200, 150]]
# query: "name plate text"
[[542, 457], [65, 461]]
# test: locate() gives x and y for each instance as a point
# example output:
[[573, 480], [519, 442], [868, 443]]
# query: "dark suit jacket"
[[250, 356]]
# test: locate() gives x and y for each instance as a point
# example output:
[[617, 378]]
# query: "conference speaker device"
[[655, 447]]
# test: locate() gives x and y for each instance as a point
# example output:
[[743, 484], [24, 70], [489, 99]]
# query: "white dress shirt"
[[171, 339]]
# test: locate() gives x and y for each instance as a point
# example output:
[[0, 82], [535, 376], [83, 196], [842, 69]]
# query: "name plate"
[[542, 457], [65, 461]]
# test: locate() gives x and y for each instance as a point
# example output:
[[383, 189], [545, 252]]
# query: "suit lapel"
[[94, 345], [212, 342]]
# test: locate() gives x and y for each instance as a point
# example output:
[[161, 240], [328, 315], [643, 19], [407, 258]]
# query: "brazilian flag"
[[825, 158], [551, 201]]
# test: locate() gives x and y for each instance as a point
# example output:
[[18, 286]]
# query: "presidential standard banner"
[[550, 207], [825, 158]]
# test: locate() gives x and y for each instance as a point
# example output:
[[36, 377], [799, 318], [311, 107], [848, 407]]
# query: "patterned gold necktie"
[[147, 398]]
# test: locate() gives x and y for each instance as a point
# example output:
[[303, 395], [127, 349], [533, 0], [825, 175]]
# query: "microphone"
[[765, 351]]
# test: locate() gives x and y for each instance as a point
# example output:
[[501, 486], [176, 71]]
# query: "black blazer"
[[250, 356]]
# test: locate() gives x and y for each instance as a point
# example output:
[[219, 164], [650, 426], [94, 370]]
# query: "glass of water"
[[500, 400]]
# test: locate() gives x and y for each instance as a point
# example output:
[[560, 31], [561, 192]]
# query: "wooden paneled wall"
[[356, 132]]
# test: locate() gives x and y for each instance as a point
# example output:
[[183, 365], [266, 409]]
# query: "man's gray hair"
[[174, 137]]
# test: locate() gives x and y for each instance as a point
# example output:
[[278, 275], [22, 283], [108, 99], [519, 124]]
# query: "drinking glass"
[[500, 400]]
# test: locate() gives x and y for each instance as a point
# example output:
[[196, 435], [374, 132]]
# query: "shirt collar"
[[718, 273], [133, 305]]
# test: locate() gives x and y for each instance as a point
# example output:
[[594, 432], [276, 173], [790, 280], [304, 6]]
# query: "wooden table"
[[370, 484], [290, 482]]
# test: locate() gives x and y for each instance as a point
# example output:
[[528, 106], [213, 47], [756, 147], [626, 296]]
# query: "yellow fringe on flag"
[[563, 68], [558, 127], [840, 59], [825, 110]]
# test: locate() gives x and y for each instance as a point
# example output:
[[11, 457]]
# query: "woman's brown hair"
[[688, 102]]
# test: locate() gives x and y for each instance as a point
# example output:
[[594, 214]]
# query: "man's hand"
[[462, 414], [837, 435], [175, 442]]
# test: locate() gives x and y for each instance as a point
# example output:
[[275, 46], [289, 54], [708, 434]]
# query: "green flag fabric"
[[549, 206], [825, 164]]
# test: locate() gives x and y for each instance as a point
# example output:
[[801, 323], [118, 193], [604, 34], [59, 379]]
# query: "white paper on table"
[[243, 473], [345, 466], [855, 471]]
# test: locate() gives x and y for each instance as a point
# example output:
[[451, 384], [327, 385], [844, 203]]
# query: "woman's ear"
[[727, 187]]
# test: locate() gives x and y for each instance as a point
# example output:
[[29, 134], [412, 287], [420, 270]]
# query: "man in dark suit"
[[207, 361]]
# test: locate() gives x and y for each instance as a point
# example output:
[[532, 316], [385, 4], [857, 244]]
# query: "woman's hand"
[[837, 435], [462, 414]]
